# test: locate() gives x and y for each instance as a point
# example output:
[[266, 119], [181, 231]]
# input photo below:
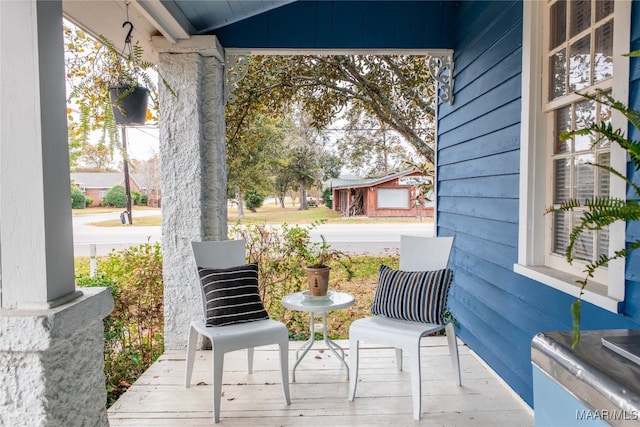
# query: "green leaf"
[[575, 316]]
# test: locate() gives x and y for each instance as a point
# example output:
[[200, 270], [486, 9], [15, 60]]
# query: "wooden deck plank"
[[319, 396]]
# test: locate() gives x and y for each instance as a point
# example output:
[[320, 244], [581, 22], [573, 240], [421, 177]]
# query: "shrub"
[[116, 197], [253, 200], [133, 332], [78, 199], [326, 196], [281, 254], [88, 201], [139, 199]]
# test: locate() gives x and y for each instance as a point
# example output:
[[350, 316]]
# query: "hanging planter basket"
[[129, 104]]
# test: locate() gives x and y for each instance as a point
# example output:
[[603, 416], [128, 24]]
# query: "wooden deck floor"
[[319, 395]]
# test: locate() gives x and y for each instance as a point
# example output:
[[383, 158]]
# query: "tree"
[[283, 179], [148, 174], [96, 157], [371, 148], [398, 90], [252, 152], [307, 161]]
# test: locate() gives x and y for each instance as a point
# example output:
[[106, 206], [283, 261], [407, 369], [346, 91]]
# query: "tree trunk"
[[239, 198], [303, 196]]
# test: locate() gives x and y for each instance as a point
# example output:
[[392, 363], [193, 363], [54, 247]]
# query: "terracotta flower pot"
[[318, 279]]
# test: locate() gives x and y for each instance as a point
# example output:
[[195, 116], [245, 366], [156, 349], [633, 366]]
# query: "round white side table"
[[301, 301]]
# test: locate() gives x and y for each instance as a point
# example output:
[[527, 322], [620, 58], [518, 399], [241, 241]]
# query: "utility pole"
[[127, 185]]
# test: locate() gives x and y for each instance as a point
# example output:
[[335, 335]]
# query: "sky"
[[142, 142]]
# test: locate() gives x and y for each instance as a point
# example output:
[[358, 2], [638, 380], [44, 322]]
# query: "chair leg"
[[453, 351], [284, 370], [218, 365], [250, 360], [191, 355], [399, 358], [353, 366], [416, 381]]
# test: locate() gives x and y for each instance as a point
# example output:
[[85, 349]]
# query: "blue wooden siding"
[[325, 24], [499, 311], [632, 297]]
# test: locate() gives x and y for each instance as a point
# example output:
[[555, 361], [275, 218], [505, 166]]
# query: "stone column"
[[52, 364], [51, 335], [194, 172]]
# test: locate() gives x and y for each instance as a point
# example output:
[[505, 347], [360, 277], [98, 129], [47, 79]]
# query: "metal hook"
[[127, 39]]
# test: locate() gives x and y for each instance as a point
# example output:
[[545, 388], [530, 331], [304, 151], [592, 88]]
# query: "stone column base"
[[52, 363]]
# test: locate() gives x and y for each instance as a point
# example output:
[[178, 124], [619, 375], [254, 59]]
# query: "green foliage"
[[601, 212], [252, 150], [116, 197], [139, 199], [321, 255], [88, 201], [326, 196], [281, 254], [253, 199], [78, 200], [398, 90], [134, 330]]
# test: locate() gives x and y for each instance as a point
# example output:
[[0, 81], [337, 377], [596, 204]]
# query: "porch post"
[[194, 172], [51, 335]]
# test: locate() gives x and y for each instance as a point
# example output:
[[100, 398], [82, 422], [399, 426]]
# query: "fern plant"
[[600, 212], [93, 67]]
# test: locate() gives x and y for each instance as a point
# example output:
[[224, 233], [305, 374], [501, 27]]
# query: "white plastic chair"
[[225, 254], [416, 254]]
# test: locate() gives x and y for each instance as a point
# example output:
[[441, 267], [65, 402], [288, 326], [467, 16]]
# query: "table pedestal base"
[[335, 348]]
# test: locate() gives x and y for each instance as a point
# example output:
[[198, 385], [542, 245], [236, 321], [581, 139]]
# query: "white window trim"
[[533, 161]]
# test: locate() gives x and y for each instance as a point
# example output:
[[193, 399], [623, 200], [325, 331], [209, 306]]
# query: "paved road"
[[377, 238]]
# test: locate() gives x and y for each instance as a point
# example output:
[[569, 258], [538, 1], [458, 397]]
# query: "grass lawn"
[[100, 210], [267, 214]]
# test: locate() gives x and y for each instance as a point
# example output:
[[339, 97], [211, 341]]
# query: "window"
[[102, 194], [576, 46], [393, 198]]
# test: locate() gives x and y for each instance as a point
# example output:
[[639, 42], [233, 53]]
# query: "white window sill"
[[594, 293]]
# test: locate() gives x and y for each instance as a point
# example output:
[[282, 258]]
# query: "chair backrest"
[[217, 254], [424, 253]]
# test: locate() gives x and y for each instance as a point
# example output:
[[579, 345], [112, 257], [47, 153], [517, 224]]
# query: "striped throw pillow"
[[232, 295], [419, 296]]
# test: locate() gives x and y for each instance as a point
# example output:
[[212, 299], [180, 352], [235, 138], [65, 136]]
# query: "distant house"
[[389, 196], [97, 184]]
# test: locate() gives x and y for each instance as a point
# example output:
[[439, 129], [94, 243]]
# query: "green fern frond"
[[605, 98], [137, 54], [603, 211], [600, 202], [575, 316], [567, 205]]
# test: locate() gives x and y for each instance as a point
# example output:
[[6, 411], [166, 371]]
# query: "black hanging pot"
[[129, 104]]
